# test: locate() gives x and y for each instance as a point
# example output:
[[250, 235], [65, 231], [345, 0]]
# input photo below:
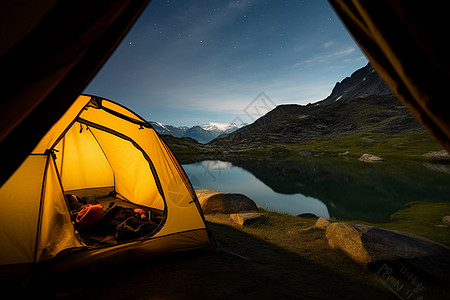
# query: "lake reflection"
[[331, 188], [225, 177]]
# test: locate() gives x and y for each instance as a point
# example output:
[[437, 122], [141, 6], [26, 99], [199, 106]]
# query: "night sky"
[[190, 62]]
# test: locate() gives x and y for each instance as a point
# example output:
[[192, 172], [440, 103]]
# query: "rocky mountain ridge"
[[362, 83], [359, 103]]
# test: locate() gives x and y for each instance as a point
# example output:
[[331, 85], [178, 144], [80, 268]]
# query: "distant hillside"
[[359, 103]]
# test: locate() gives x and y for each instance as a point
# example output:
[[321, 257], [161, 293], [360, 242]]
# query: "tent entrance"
[[119, 220], [110, 186]]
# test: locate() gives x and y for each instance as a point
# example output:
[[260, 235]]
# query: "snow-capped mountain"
[[203, 134], [169, 129], [221, 127]]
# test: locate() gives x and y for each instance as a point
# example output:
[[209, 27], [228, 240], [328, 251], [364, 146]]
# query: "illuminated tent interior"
[[100, 150]]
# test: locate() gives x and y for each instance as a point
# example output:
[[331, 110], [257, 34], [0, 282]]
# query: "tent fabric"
[[96, 147], [405, 43], [49, 51], [20, 211]]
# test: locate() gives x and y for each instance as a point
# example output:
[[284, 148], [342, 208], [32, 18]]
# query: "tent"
[[99, 149]]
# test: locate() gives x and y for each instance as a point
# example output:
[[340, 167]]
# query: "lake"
[[341, 188]]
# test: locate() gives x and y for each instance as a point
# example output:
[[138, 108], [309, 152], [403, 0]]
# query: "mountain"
[[363, 82], [202, 134], [358, 104], [210, 131], [169, 129]]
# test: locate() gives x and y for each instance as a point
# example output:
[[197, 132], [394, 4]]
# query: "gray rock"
[[369, 245], [305, 153], [322, 223], [307, 216], [443, 154], [370, 158], [346, 153], [441, 226], [446, 220], [245, 218], [213, 202]]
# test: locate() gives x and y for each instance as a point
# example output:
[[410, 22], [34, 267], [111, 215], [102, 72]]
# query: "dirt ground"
[[256, 269]]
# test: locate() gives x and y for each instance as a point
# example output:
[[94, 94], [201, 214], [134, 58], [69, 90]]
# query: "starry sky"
[[190, 62]]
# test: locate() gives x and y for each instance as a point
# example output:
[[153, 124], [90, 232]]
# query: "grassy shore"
[[274, 258], [288, 234]]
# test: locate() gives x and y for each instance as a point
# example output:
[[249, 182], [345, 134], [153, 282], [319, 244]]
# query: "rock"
[[346, 153], [446, 220], [441, 226], [245, 218], [369, 245], [367, 140], [370, 158], [305, 153], [307, 216], [322, 223], [348, 239], [214, 202], [439, 155]]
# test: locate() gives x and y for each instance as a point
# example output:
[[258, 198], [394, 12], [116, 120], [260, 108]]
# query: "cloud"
[[325, 57], [300, 48], [328, 44]]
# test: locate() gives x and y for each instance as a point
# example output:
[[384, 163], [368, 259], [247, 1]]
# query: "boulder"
[[369, 245], [446, 220], [322, 223], [307, 216], [245, 218], [305, 153], [438, 155], [370, 158], [214, 202]]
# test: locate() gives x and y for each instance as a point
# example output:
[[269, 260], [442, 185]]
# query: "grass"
[[420, 218], [412, 145], [274, 258], [408, 145], [288, 233]]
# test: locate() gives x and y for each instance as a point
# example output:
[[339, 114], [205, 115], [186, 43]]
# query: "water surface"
[[328, 187]]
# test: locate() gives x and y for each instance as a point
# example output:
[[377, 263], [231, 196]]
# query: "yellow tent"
[[97, 148]]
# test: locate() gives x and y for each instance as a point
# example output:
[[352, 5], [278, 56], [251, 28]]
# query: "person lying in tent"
[[123, 223]]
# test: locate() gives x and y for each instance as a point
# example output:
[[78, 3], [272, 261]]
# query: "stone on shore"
[[307, 216], [214, 202], [446, 220], [346, 153], [322, 223], [370, 158], [245, 218], [305, 153], [369, 245], [438, 155]]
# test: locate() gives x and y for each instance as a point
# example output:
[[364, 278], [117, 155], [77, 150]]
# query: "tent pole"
[[41, 204]]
